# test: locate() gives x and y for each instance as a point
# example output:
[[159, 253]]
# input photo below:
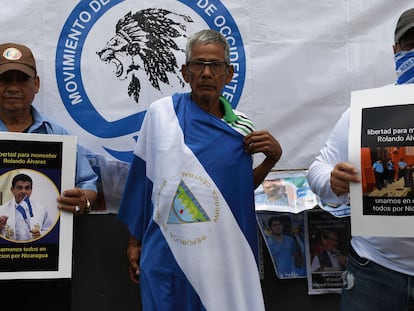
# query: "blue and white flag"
[[189, 199]]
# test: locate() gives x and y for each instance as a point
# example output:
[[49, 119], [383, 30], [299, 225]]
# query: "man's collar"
[[229, 115]]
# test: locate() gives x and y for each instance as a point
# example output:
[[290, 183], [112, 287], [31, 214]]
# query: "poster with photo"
[[285, 191], [326, 242], [35, 237], [283, 236], [383, 149]]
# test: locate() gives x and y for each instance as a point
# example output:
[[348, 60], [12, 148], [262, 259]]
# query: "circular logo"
[[187, 199], [12, 54], [143, 47]]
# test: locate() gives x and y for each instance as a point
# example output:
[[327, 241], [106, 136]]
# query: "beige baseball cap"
[[19, 57]]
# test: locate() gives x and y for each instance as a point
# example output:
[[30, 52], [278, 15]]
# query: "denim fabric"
[[368, 287]]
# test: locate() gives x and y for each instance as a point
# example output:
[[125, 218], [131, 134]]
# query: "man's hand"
[[263, 141], [342, 174], [3, 221], [76, 201], [35, 233], [133, 253]]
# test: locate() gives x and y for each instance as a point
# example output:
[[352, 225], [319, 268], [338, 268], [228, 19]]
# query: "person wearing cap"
[[19, 84], [380, 270]]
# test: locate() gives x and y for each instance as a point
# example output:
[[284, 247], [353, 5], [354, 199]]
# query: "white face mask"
[[404, 66]]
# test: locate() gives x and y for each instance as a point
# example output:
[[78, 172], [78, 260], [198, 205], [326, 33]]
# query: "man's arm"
[[85, 193], [330, 173], [263, 141]]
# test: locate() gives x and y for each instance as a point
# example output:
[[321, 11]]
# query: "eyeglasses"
[[215, 67]]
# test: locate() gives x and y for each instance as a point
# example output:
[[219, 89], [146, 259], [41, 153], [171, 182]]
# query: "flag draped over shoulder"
[[189, 199]]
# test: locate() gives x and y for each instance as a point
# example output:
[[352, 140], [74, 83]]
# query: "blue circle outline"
[[84, 114]]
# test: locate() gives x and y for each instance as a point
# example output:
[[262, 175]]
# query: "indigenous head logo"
[[115, 57], [145, 40]]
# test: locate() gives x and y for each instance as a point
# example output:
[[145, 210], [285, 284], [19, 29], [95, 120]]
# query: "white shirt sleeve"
[[334, 151]]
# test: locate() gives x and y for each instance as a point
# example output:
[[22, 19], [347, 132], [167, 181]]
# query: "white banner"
[[101, 62]]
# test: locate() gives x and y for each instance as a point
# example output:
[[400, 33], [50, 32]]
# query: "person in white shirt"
[[380, 270]]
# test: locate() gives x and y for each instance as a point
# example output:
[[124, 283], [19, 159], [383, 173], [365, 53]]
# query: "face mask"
[[404, 66]]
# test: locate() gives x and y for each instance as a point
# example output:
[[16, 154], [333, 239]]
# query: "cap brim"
[[19, 67], [402, 31]]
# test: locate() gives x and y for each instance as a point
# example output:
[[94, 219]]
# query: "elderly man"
[[189, 199], [19, 84]]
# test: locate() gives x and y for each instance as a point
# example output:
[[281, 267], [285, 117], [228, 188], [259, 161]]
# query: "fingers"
[[342, 174], [133, 254], [3, 221], [134, 274], [263, 141], [35, 234], [74, 201], [133, 269], [339, 187]]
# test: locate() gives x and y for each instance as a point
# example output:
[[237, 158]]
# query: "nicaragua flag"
[[189, 199]]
